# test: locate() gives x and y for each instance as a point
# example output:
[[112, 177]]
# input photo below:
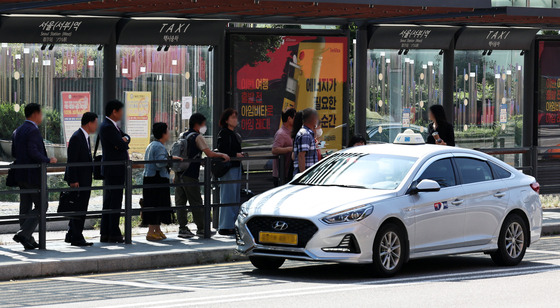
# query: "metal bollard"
[[281, 170], [128, 204], [207, 196], [43, 208]]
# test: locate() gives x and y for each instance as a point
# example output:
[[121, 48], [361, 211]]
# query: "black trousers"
[[76, 223], [28, 225], [112, 200]]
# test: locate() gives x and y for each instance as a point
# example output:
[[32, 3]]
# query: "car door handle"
[[499, 194], [457, 202]]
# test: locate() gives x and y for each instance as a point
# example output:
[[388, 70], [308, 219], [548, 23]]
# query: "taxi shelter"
[[480, 59]]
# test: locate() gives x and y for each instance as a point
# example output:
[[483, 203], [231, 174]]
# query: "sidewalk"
[[62, 259], [551, 222]]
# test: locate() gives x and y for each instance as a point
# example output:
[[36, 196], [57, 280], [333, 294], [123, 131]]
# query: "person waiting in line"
[[196, 145], [357, 140], [79, 151], [439, 131], [115, 148], [157, 173], [229, 142], [305, 145], [284, 145], [28, 148]]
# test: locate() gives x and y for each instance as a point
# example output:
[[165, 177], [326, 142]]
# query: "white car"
[[386, 204]]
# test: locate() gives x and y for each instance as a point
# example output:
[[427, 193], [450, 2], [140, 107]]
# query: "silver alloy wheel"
[[390, 250], [515, 240]]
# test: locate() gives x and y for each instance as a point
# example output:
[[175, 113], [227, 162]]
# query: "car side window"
[[499, 172], [473, 170], [440, 171]]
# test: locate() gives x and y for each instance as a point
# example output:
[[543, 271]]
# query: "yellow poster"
[[320, 85], [138, 119]]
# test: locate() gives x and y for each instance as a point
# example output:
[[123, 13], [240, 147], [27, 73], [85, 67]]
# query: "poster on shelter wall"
[[549, 84], [138, 119], [273, 73], [74, 105], [186, 107]]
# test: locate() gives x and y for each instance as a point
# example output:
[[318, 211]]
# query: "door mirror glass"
[[425, 186]]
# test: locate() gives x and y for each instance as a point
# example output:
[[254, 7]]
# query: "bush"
[[10, 120], [51, 127]]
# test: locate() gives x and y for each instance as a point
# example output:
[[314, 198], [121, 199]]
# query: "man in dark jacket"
[[79, 151], [28, 148], [115, 148]]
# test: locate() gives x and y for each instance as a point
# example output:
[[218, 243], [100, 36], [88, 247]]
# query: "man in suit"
[[115, 148], [28, 148], [79, 151]]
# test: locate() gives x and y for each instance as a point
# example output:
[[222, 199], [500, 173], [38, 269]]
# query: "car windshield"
[[359, 171]]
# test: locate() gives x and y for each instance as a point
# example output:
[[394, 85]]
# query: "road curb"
[[551, 229], [116, 263]]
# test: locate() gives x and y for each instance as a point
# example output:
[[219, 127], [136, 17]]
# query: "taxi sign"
[[409, 137]]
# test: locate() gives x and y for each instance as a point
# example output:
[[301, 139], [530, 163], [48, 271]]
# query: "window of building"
[[163, 84], [401, 89], [66, 80]]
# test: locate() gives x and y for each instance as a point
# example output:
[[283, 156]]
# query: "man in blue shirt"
[[28, 148]]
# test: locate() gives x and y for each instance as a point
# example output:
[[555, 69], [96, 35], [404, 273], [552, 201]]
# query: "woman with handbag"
[[157, 173], [229, 142]]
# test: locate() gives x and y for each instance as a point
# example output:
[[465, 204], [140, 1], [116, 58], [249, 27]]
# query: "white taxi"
[[386, 204]]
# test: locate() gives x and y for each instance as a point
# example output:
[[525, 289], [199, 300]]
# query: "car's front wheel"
[[388, 250], [512, 242], [266, 263]]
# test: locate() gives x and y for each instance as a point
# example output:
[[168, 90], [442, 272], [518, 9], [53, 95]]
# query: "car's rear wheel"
[[388, 250], [512, 242], [266, 263]]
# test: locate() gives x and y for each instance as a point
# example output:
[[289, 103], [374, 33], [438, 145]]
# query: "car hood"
[[308, 201]]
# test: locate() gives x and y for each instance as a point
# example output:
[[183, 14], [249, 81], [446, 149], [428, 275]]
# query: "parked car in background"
[[382, 133]]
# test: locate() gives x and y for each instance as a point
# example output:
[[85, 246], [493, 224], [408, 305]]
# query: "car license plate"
[[278, 238]]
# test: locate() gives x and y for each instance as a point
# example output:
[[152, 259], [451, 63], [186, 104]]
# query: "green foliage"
[[256, 49], [51, 126], [10, 120]]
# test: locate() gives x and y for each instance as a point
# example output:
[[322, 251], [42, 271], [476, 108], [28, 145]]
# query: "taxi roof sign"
[[409, 137]]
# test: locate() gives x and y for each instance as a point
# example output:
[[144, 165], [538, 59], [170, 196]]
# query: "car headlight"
[[354, 214]]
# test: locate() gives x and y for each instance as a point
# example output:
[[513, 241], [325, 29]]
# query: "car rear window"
[[473, 170], [499, 172]]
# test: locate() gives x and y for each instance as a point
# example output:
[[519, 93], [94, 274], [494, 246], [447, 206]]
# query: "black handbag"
[[220, 168], [67, 201], [97, 158], [11, 178]]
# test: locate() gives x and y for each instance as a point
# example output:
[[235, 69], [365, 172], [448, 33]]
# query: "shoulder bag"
[[97, 158]]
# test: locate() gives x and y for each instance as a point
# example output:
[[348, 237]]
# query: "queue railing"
[[208, 182]]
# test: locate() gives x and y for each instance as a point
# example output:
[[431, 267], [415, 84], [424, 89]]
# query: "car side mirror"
[[425, 186]]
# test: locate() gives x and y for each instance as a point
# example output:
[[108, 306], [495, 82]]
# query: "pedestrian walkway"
[[62, 259]]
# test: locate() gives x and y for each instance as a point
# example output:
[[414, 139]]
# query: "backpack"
[[180, 148]]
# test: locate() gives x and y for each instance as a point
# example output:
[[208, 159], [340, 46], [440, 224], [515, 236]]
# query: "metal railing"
[[128, 211]]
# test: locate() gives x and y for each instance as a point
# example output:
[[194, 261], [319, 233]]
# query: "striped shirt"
[[305, 142]]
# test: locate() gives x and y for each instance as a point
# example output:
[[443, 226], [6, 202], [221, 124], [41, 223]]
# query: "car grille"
[[305, 229]]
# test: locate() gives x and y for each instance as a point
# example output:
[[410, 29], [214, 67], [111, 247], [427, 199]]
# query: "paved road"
[[468, 280]]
